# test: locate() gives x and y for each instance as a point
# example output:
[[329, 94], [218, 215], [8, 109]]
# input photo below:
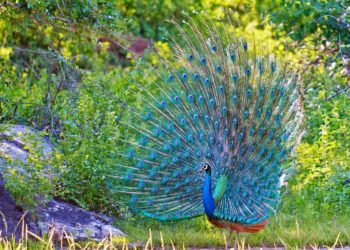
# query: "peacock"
[[214, 129]]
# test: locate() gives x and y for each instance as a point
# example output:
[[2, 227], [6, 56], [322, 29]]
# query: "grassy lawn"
[[291, 230]]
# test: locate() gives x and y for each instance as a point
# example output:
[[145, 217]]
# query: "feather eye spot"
[[187, 154], [177, 143], [245, 114], [170, 127], [175, 159], [234, 77], [216, 124], [281, 92], [131, 154], [148, 115], [211, 140], [203, 61], [206, 119], [234, 122], [268, 114], [153, 156], [163, 104], [247, 72], [261, 70], [140, 164], [143, 141], [171, 78], [190, 98], [258, 113], [245, 46], [190, 57], [249, 93], [166, 148], [224, 110], [234, 99], [261, 91], [128, 176], [176, 99], [196, 77], [272, 67], [212, 103], [157, 131], [201, 136], [190, 137], [261, 131], [200, 99], [272, 92]]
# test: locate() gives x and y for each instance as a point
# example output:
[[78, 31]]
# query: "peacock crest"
[[221, 104]]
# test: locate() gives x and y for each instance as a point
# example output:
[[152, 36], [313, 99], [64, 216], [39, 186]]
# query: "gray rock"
[[56, 217], [17, 142], [16, 138], [75, 221]]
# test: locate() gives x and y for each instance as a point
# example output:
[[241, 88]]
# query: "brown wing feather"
[[238, 227]]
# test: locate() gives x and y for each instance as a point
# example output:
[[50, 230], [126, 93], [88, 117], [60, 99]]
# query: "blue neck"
[[208, 200]]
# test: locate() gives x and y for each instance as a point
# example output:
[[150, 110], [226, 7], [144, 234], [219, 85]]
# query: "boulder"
[[76, 222], [17, 142]]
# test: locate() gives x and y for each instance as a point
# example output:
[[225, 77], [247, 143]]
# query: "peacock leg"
[[229, 238], [235, 246]]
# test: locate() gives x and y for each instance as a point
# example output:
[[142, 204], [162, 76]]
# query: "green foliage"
[[89, 142], [320, 30], [30, 181], [148, 18], [324, 156]]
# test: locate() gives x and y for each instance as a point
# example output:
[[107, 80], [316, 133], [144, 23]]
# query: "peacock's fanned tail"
[[219, 103]]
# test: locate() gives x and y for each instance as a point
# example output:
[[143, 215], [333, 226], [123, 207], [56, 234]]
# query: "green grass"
[[290, 231], [304, 228], [299, 224]]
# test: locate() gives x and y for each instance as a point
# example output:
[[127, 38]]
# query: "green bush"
[[30, 182]]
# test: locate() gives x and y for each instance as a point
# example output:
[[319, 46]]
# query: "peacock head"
[[205, 168]]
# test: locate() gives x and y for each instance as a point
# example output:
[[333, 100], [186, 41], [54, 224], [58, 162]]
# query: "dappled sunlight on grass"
[[285, 231], [303, 233]]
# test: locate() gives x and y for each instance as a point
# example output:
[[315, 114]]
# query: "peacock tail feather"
[[218, 103]]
